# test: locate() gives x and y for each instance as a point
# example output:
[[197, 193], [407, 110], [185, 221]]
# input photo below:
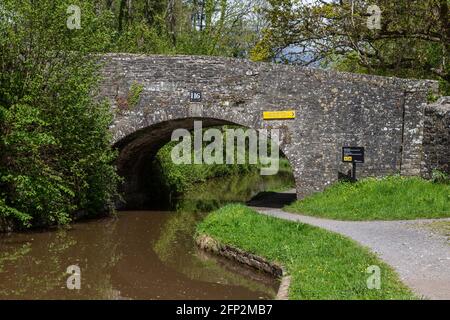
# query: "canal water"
[[138, 254]]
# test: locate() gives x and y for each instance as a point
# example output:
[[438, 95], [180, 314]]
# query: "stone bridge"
[[384, 115]]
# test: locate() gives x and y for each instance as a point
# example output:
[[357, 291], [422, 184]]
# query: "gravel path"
[[420, 256]]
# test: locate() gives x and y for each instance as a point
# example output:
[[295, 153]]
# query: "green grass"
[[323, 265], [391, 198]]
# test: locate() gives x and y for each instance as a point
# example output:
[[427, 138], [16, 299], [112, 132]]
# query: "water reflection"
[[137, 255], [213, 194]]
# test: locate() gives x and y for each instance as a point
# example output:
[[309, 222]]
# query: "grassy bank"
[[391, 198], [323, 265]]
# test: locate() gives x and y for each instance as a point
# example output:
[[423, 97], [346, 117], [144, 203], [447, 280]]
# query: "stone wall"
[[436, 138], [384, 115]]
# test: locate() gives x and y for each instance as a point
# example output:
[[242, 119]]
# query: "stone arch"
[[138, 149]]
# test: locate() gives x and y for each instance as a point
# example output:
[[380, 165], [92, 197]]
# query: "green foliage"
[[413, 40], [55, 158], [178, 178], [323, 265], [440, 177], [431, 97], [262, 50], [226, 27], [135, 94], [390, 198]]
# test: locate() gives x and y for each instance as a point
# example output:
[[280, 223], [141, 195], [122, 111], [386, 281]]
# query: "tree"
[[55, 154], [413, 38], [202, 27]]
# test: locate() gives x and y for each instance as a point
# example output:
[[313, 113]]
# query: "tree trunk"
[[171, 20]]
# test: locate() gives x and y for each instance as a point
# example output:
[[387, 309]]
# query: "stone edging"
[[209, 244]]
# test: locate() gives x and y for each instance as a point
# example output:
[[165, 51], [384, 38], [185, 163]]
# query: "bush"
[[55, 154], [180, 178]]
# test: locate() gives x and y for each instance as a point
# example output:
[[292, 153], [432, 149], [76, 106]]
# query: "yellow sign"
[[274, 115], [349, 159]]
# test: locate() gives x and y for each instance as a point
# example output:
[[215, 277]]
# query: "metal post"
[[354, 171]]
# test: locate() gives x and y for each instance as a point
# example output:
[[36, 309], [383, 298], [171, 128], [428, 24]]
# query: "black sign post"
[[353, 155]]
